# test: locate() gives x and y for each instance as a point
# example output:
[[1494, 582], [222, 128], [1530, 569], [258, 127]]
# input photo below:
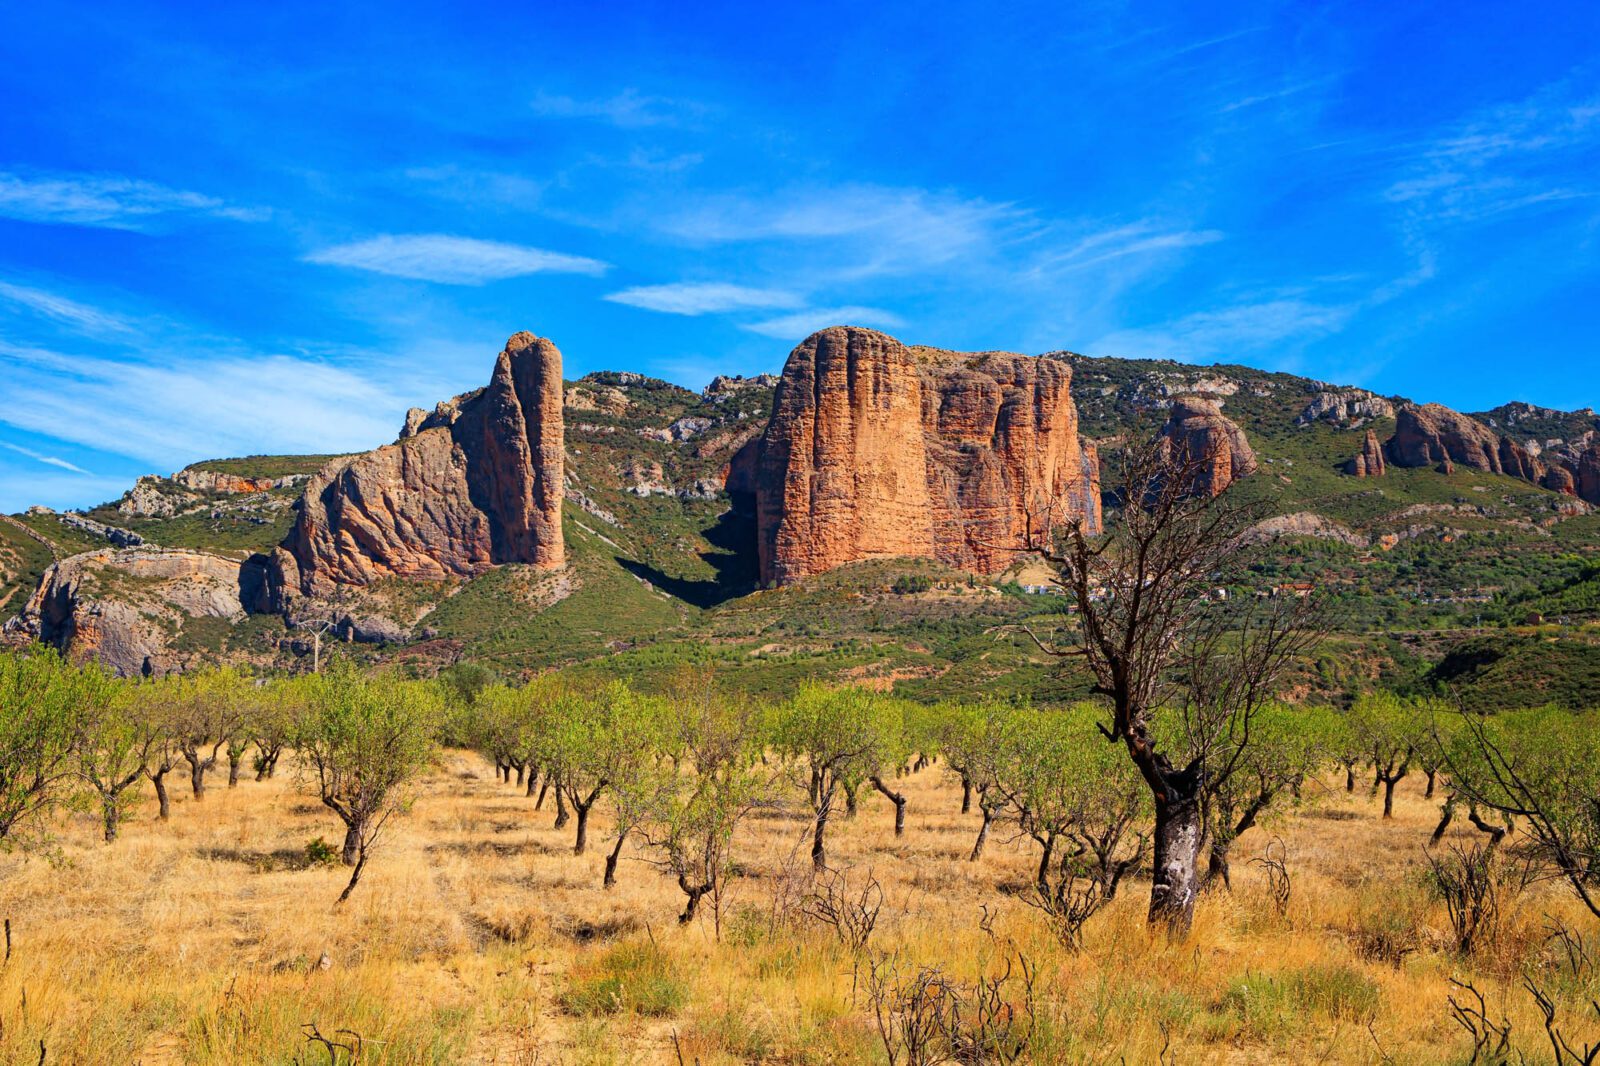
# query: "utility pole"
[[317, 629]]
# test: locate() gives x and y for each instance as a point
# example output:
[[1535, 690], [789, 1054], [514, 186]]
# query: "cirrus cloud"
[[804, 323], [700, 298], [107, 201], [452, 260]]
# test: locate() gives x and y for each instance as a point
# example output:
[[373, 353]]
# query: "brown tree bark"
[[611, 861], [163, 801], [899, 801]]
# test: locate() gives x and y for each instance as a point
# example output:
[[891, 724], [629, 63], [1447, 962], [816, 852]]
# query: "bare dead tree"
[[850, 909], [1469, 882], [1564, 1050], [1275, 864], [1150, 637], [1491, 1040]]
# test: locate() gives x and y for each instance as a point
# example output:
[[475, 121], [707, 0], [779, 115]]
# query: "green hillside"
[[1417, 564]]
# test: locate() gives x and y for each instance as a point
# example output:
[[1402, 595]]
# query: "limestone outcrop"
[[875, 450], [123, 607], [476, 483], [1348, 408], [1198, 432]]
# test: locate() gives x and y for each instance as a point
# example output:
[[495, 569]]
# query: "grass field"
[[476, 936]]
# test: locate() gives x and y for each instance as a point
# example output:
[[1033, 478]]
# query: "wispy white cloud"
[[1230, 332], [699, 298], [79, 317], [1272, 95], [804, 323], [452, 260], [628, 109], [471, 185], [48, 460], [107, 201], [1537, 152], [868, 228], [190, 405], [1146, 237]]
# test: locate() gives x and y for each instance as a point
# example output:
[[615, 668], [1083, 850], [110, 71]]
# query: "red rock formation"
[[877, 450], [1197, 429], [1431, 434], [228, 484], [1369, 461], [476, 483], [1001, 435], [1574, 470], [1560, 479]]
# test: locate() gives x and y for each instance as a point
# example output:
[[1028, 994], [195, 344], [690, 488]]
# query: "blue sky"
[[241, 228]]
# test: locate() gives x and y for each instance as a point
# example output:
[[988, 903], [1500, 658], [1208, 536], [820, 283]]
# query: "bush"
[[635, 978], [908, 584], [321, 853]]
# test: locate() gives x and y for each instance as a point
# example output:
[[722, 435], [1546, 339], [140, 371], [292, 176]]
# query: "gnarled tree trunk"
[[899, 801]]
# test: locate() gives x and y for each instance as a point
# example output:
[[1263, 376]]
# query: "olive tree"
[[639, 759], [44, 704], [974, 741], [155, 702], [361, 741], [899, 735], [1078, 799], [717, 744], [1264, 759], [207, 711], [1390, 731], [596, 740], [1146, 624], [836, 737], [270, 724], [115, 747]]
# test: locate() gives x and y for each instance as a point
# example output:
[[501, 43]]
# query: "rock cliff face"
[[1369, 461], [1431, 435], [122, 607], [1348, 408], [1197, 429], [875, 449], [476, 483]]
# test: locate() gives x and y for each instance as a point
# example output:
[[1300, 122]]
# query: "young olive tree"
[[640, 765], [1262, 764], [361, 741], [836, 737], [270, 724], [1146, 625], [974, 738], [44, 705], [115, 747], [1079, 799], [499, 720], [208, 711], [717, 744], [595, 741], [1390, 731], [155, 701], [1542, 766], [899, 736]]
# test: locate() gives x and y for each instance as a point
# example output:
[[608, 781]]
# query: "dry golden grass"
[[476, 936]]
